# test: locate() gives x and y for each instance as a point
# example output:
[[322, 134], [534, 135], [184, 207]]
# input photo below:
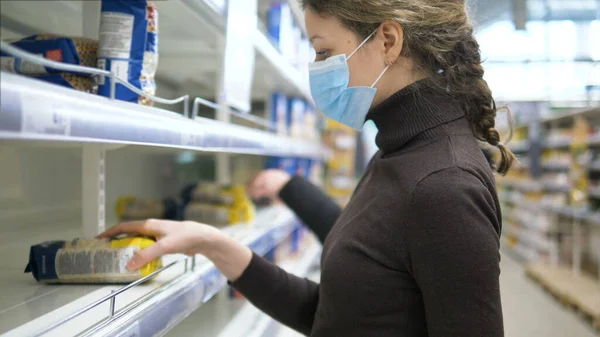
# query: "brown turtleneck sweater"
[[415, 252]]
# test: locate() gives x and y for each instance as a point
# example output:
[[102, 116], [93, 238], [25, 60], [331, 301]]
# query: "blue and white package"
[[76, 51], [296, 117], [288, 165], [279, 113], [303, 167], [124, 30], [274, 23]]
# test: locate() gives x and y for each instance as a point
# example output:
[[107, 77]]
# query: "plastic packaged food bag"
[[128, 47], [132, 208], [89, 261], [72, 81], [207, 192], [69, 50]]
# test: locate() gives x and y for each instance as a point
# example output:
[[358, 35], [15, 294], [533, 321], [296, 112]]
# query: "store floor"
[[528, 310]]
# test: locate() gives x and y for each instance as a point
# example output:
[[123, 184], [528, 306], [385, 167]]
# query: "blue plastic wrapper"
[[42, 260], [288, 165], [77, 51], [125, 37]]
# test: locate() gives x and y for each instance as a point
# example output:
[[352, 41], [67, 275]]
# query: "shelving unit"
[[552, 221], [62, 115], [149, 308], [70, 154]]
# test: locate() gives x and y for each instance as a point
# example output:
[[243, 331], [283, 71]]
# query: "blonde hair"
[[439, 39]]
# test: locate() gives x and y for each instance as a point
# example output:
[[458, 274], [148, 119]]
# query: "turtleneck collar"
[[410, 112]]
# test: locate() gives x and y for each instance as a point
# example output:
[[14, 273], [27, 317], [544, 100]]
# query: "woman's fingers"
[[146, 255], [256, 188], [150, 227]]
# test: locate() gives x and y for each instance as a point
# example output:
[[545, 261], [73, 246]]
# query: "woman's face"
[[329, 38]]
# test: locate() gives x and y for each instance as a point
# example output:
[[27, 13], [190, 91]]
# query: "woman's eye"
[[322, 54]]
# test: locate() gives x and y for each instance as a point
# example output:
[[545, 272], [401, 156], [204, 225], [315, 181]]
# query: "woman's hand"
[[186, 237], [268, 183]]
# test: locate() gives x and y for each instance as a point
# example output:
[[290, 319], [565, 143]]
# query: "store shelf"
[[584, 215], [594, 192], [520, 184], [533, 239], [33, 110], [565, 142], [594, 140], [558, 142], [572, 113], [274, 59], [250, 321], [556, 187], [281, 64], [145, 310], [555, 166], [298, 13], [191, 34], [519, 146]]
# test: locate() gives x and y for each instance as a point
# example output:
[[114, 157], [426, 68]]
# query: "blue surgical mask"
[[329, 88]]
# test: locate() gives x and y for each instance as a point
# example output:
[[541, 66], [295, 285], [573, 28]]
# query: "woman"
[[415, 252]]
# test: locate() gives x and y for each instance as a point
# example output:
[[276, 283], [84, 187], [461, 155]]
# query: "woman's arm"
[[315, 208], [452, 235], [285, 297], [289, 299]]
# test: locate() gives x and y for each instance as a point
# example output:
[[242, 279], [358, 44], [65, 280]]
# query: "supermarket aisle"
[[528, 311]]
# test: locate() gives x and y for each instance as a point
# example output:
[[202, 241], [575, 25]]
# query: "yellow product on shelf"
[[579, 174], [213, 193], [210, 214], [89, 260], [237, 193], [220, 215], [130, 207]]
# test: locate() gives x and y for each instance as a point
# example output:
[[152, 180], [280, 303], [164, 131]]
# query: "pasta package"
[[207, 192], [89, 260], [211, 214], [132, 208], [219, 215], [71, 81], [69, 50], [213, 193], [129, 47]]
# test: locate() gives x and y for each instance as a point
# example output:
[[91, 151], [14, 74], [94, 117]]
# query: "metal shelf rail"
[[159, 310]]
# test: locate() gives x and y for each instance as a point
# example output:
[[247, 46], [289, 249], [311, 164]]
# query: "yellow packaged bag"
[[89, 260]]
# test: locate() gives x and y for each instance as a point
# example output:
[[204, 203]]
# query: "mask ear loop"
[[362, 44], [380, 75]]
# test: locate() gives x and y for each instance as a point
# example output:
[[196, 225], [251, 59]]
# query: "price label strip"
[[39, 117]]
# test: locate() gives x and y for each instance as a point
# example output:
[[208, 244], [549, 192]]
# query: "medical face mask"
[[329, 88]]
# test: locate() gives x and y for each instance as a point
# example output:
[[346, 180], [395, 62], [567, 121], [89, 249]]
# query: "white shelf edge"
[[250, 321], [298, 13], [34, 110], [164, 307]]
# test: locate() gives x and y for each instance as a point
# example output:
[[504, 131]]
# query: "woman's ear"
[[393, 39]]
